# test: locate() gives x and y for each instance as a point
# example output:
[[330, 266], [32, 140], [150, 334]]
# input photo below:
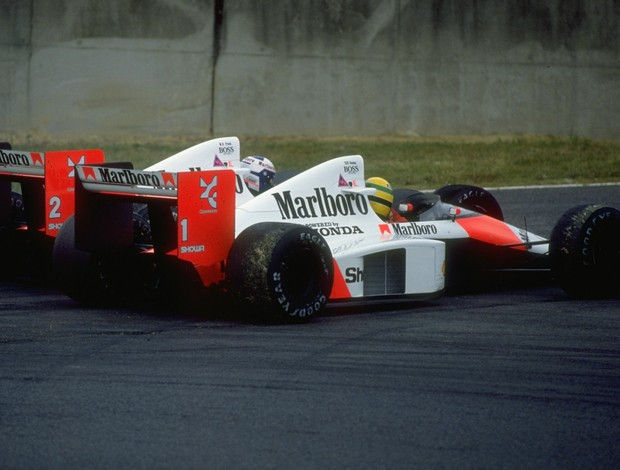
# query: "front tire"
[[584, 251], [283, 272]]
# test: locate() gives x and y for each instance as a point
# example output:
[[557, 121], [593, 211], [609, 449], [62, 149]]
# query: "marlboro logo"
[[9, 157], [129, 177], [320, 204]]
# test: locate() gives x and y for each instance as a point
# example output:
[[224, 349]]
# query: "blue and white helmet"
[[261, 173]]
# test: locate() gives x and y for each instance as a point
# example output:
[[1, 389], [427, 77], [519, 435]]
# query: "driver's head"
[[261, 175], [381, 201]]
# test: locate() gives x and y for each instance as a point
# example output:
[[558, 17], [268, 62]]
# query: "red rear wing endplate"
[[206, 221], [53, 171], [205, 202], [60, 184]]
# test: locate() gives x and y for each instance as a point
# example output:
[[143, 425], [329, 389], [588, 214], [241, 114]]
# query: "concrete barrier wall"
[[313, 67]]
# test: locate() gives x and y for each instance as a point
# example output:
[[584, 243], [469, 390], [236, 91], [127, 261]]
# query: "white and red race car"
[[32, 213], [285, 252], [311, 239]]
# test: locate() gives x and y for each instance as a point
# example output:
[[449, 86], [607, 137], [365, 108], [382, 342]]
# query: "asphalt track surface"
[[519, 377]]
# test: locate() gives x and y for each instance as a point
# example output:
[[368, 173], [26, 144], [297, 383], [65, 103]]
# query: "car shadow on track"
[[221, 308]]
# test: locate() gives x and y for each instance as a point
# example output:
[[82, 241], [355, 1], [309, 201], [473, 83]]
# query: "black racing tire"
[[584, 252], [100, 279], [473, 198], [281, 272], [75, 270]]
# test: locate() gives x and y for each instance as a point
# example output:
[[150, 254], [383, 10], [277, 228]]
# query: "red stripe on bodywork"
[[340, 290], [489, 230]]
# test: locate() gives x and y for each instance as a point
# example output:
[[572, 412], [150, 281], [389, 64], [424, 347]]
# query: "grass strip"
[[423, 163]]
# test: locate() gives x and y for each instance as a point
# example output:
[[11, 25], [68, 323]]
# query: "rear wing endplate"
[[47, 185], [202, 233]]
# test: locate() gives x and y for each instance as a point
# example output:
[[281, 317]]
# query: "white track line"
[[542, 186], [552, 186]]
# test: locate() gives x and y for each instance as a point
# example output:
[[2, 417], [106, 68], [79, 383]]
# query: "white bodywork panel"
[[421, 261]]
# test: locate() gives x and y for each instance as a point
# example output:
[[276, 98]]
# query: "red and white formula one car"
[[582, 254], [285, 252], [32, 213], [37, 196]]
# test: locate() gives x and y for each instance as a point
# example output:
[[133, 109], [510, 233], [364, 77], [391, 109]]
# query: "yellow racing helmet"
[[381, 201]]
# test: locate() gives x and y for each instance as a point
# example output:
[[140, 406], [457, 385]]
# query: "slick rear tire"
[[584, 252], [73, 269], [473, 198], [281, 272], [101, 279]]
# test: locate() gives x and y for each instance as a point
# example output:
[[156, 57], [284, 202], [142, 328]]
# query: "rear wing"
[[47, 185], [201, 233]]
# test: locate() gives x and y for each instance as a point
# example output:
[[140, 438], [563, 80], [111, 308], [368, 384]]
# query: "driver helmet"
[[261, 175], [381, 201]]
